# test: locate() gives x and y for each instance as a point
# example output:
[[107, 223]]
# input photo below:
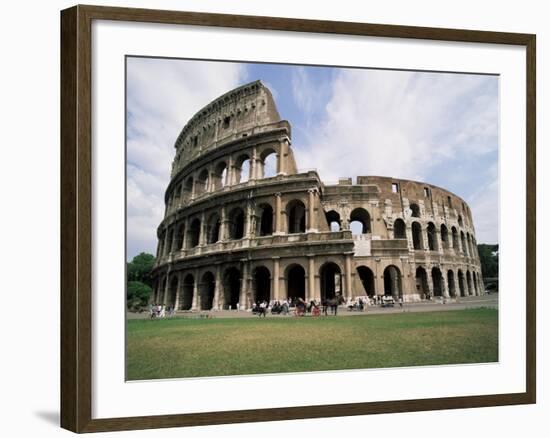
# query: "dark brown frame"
[[76, 222]]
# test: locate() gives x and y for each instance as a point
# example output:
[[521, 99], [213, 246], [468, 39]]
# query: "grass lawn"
[[187, 347]]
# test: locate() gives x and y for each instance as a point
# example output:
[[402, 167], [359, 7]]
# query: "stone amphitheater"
[[243, 224]]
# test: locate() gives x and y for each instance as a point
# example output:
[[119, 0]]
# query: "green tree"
[[488, 255], [139, 269], [137, 295]]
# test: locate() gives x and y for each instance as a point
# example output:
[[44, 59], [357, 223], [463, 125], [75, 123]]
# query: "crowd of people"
[[292, 305], [160, 311]]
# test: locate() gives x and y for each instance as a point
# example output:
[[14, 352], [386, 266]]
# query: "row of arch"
[[225, 173], [200, 292], [234, 225], [415, 212], [359, 221], [448, 240], [232, 286]]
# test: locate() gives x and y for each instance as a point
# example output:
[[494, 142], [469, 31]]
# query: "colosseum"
[[242, 224]]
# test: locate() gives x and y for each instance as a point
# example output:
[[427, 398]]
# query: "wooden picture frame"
[[76, 217]]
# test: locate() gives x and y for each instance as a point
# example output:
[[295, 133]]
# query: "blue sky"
[[441, 128]]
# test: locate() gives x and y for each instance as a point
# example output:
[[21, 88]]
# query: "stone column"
[[281, 162], [248, 221], [223, 225], [311, 223], [196, 298], [178, 291], [444, 286], [278, 219], [243, 301], [218, 289], [410, 242], [193, 188], [438, 243], [202, 237], [348, 292], [185, 233], [229, 175], [458, 249], [311, 278], [253, 165], [424, 235], [210, 187], [166, 288], [430, 282], [276, 294]]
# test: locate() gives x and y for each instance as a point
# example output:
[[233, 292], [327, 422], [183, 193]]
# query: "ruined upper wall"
[[432, 200], [248, 107]]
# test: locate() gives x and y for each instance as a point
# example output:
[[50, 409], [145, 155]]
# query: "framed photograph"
[[269, 219]]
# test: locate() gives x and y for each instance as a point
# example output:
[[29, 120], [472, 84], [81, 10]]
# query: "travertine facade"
[[233, 233]]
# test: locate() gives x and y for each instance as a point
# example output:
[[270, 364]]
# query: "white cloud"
[[162, 95], [406, 125], [400, 123]]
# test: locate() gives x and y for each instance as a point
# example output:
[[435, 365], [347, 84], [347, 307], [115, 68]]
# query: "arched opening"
[[476, 290], [422, 282], [173, 291], [176, 196], [296, 282], [265, 224], [296, 214], [219, 176], [169, 237], [418, 241], [451, 283], [262, 284], [432, 240], [213, 229], [463, 241], [461, 285], [179, 238], [367, 280], [236, 223], [437, 280], [415, 210], [444, 236], [187, 292], [207, 290], [392, 282], [360, 221], [201, 186], [469, 282], [333, 220], [242, 169], [231, 288], [455, 238], [188, 189], [399, 229], [331, 280], [194, 233], [460, 221], [268, 164]]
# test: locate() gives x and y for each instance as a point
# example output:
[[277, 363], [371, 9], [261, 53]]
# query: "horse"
[[333, 303]]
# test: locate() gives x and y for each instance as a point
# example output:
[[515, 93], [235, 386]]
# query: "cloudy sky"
[[441, 128]]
